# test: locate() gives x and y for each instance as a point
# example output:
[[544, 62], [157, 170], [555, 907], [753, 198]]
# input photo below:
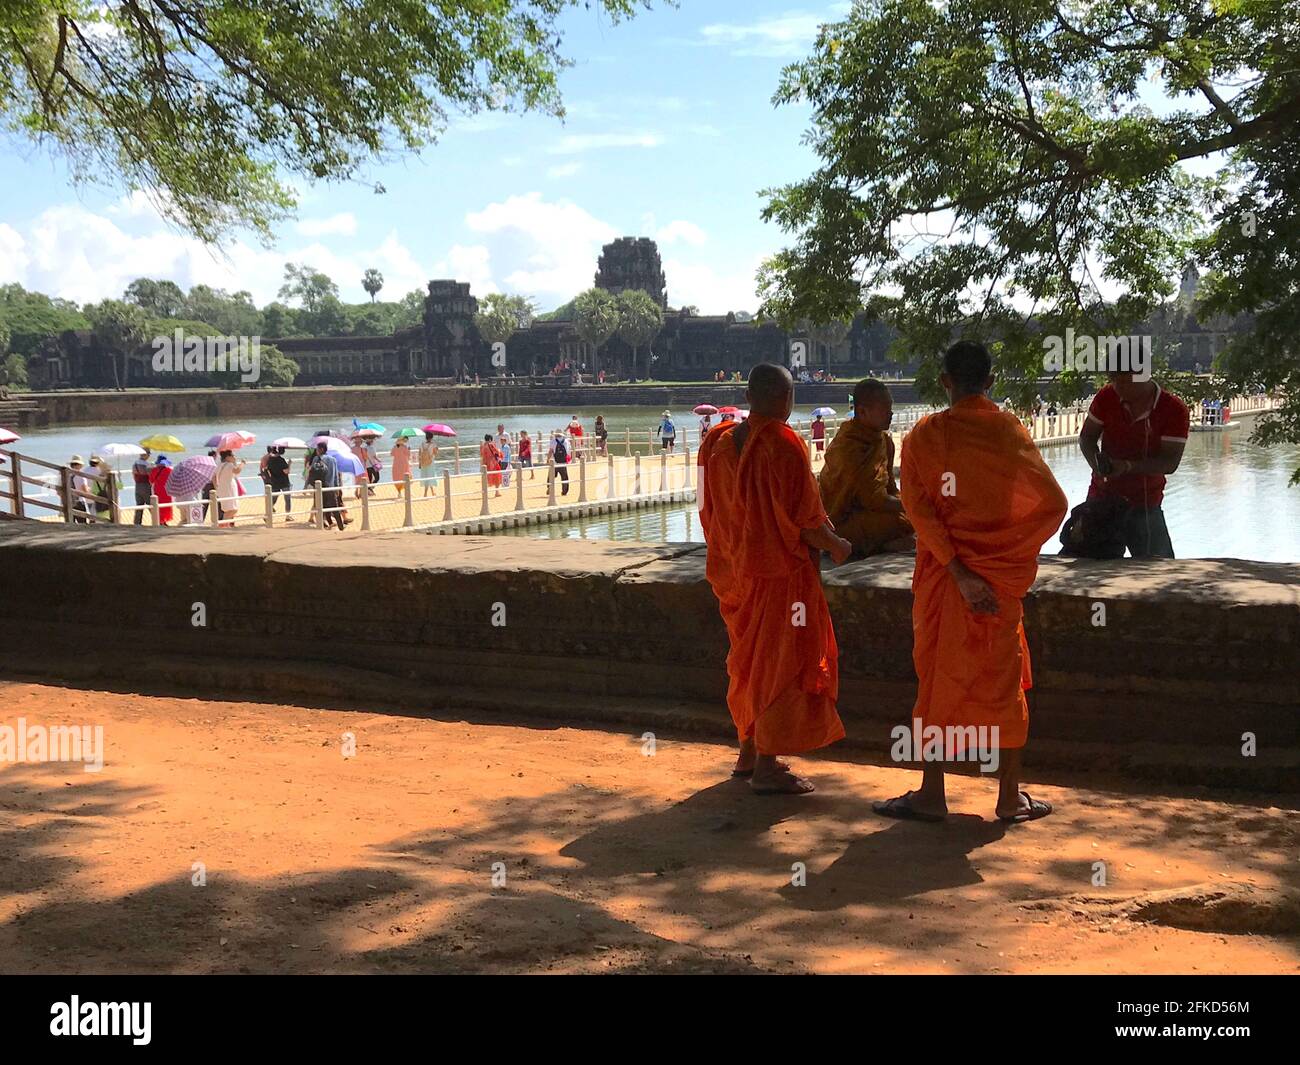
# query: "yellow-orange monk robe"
[[783, 659], [976, 489], [855, 483]]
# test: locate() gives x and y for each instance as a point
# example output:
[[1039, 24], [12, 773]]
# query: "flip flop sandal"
[[785, 791], [900, 808], [745, 774], [1037, 809]]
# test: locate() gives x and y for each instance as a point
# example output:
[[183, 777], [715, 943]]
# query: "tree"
[[372, 283], [1019, 129], [596, 318], [13, 371], [202, 102], [410, 310], [231, 314], [639, 320], [121, 328], [279, 320], [160, 299], [499, 316], [278, 370], [308, 285], [30, 317]]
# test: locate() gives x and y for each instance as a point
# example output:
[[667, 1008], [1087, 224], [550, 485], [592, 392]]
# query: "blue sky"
[[670, 134]]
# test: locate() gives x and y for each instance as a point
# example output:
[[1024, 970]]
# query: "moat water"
[[1229, 498]]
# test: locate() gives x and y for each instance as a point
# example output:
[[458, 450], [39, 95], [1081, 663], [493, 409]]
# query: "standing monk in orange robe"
[[764, 525], [983, 503]]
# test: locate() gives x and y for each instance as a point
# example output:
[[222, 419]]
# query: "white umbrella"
[[119, 451], [289, 441]]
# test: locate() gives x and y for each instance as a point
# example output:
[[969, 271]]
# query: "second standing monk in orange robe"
[[764, 525], [983, 503]]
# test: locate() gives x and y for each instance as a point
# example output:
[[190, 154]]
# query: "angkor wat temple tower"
[[632, 262]]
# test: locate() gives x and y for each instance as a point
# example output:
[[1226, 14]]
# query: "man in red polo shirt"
[[1134, 438]]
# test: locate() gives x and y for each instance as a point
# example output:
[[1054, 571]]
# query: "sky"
[[670, 133]]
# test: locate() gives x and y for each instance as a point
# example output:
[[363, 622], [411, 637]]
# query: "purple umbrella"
[[191, 476], [348, 463]]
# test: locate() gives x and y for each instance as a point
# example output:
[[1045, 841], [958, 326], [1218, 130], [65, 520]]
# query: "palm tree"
[[372, 283]]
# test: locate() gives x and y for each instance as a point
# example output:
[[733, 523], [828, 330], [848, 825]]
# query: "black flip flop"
[[900, 808], [1037, 809]]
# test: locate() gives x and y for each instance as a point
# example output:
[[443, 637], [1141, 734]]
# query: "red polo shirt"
[[1129, 438]]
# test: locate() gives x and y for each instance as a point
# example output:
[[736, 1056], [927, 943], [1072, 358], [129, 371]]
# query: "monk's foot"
[[744, 767], [780, 782], [1024, 809], [911, 806]]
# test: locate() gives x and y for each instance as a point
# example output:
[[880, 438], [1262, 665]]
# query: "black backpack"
[[1095, 529], [318, 471]]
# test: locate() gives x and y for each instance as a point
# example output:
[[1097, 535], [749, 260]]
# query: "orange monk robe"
[[855, 482], [783, 659], [976, 489]]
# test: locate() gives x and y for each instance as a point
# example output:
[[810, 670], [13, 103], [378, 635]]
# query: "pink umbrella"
[[438, 429], [230, 441], [706, 408], [6, 437]]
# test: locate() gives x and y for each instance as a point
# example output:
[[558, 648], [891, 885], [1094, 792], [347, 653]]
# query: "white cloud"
[[342, 224], [573, 143], [13, 257], [563, 170], [786, 36], [552, 247], [712, 291], [681, 230]]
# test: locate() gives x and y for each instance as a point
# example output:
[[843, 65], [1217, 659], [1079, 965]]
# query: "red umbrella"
[[6, 437], [438, 429], [728, 410], [706, 408]]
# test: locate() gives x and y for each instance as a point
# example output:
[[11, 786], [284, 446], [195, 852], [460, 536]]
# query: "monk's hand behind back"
[[974, 588]]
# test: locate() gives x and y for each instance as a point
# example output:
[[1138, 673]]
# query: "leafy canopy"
[[991, 168], [201, 103]]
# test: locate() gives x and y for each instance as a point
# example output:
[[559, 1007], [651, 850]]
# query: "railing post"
[[214, 508], [550, 480], [663, 471], [154, 516], [456, 460], [582, 479], [627, 440], [609, 488], [269, 497], [67, 495], [365, 508], [114, 513], [446, 494], [409, 518], [519, 489], [16, 468], [486, 509], [686, 469], [318, 504], [636, 479]]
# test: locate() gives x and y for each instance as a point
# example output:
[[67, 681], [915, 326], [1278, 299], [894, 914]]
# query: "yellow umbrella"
[[162, 442]]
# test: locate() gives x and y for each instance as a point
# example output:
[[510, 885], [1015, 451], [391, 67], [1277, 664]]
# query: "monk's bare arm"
[[824, 538]]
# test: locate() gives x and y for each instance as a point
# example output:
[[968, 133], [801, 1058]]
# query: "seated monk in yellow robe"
[[983, 503], [764, 525], [857, 482]]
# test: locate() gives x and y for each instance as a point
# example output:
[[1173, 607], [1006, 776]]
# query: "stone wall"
[[1193, 654]]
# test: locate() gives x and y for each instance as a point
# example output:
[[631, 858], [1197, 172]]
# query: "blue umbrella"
[[823, 412]]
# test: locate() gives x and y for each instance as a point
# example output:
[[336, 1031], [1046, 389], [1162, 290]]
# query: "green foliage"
[[639, 320], [278, 370], [988, 166], [231, 314], [499, 316], [30, 317], [13, 371], [120, 328], [205, 102], [162, 299], [595, 315], [372, 282]]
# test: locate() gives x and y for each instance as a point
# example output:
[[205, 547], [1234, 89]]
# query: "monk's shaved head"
[[771, 390], [869, 390], [969, 366]]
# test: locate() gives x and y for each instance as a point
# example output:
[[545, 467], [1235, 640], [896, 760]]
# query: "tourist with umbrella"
[[602, 435], [401, 456], [323, 470], [706, 411], [819, 426], [159, 475], [189, 484], [140, 475]]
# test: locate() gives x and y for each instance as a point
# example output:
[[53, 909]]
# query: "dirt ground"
[[613, 860]]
